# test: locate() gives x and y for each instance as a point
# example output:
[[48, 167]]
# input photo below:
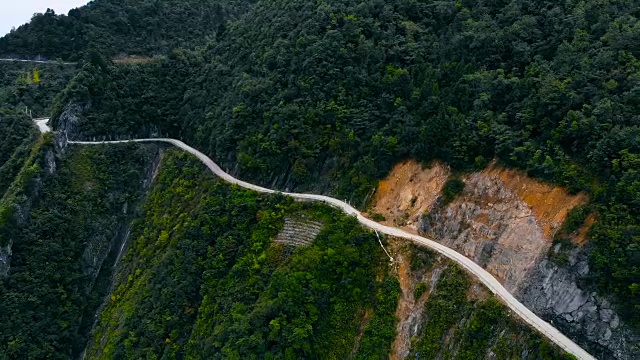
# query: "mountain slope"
[[119, 27], [61, 230], [200, 276], [295, 92], [18, 136], [204, 279], [32, 85], [327, 96]]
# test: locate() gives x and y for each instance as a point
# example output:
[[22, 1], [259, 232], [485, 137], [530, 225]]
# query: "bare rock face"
[[552, 291], [505, 222], [505, 227], [50, 161], [66, 125], [410, 311], [490, 225]]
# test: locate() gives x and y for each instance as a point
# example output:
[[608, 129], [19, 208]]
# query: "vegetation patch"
[[24, 85], [420, 289], [204, 277], [456, 327], [452, 188], [60, 241]]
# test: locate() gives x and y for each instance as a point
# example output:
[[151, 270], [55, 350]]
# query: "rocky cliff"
[[506, 222]]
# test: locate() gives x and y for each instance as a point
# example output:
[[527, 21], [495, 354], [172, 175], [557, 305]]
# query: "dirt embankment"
[[549, 204], [410, 310], [409, 191], [419, 271], [503, 220]]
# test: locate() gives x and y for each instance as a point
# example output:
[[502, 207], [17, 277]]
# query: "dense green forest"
[[201, 277], [33, 86], [121, 27], [25, 86], [328, 95], [204, 280], [18, 136], [58, 224]]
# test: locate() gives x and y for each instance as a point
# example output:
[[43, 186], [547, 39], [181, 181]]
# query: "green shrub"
[[420, 290], [452, 188]]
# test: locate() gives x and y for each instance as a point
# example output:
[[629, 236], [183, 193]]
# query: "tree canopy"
[[121, 27], [327, 96]]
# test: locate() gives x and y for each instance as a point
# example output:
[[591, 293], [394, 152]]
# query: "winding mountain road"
[[485, 277], [38, 61]]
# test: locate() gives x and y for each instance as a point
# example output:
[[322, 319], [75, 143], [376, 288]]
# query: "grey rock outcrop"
[[552, 291], [491, 224], [66, 126], [488, 224]]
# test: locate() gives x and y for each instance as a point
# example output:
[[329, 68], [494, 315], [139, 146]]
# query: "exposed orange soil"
[[550, 204], [483, 218], [409, 189], [503, 210], [404, 306]]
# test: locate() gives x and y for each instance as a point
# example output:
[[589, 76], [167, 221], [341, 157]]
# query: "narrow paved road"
[[485, 277], [39, 61]]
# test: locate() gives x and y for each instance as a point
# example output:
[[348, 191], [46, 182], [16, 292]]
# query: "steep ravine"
[[506, 222], [101, 259], [69, 219]]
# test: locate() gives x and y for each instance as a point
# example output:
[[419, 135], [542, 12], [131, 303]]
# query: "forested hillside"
[[200, 276], [18, 136], [326, 96], [121, 27], [203, 279], [32, 86], [60, 226], [25, 87], [319, 96]]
